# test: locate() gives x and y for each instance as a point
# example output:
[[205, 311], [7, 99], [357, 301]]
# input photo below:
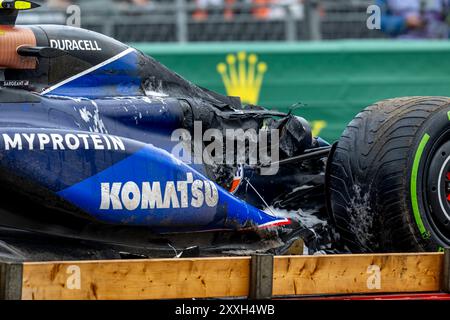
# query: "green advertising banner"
[[328, 83]]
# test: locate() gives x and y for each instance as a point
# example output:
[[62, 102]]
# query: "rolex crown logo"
[[242, 76]]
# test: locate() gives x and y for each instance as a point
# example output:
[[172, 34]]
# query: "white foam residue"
[[85, 114], [147, 100], [309, 220], [361, 217], [155, 94], [99, 126], [76, 99], [92, 118]]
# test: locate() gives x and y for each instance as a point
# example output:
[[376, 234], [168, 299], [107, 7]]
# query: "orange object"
[[261, 10], [235, 184], [200, 15], [229, 12], [12, 38]]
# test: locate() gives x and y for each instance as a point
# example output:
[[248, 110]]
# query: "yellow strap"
[[18, 5], [22, 5]]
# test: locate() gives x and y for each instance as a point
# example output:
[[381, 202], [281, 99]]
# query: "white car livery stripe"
[[276, 223], [85, 72]]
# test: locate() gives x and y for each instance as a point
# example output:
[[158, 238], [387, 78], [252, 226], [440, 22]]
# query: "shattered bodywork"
[[89, 127]]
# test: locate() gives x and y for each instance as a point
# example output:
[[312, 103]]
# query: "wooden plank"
[[352, 274], [137, 279], [446, 271], [229, 277]]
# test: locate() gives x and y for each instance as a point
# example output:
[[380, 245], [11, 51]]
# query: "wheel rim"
[[438, 191], [444, 189]]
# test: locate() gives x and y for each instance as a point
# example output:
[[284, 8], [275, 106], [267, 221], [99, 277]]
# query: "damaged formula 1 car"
[[88, 168]]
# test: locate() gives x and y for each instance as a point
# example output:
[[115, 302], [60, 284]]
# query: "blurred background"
[[322, 59], [214, 20]]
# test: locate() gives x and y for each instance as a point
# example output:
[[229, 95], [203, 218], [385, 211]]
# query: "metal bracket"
[[11, 281], [261, 276], [446, 285]]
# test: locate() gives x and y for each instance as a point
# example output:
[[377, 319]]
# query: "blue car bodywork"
[[87, 138]]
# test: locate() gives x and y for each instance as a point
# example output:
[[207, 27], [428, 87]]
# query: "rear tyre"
[[389, 177]]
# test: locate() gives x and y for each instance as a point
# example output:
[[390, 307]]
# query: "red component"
[[235, 184], [277, 224], [448, 179]]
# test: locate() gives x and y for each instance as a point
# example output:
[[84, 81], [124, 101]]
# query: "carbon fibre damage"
[[108, 157]]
